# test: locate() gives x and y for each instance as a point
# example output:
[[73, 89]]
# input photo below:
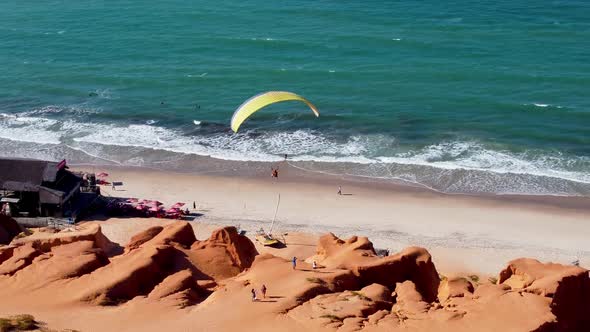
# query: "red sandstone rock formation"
[[357, 254], [568, 287], [21, 257], [224, 254], [180, 232], [354, 289], [87, 232], [142, 237], [455, 287]]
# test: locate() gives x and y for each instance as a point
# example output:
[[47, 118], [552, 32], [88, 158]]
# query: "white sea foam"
[[300, 145], [396, 39], [267, 147], [200, 75], [544, 105], [56, 109], [473, 156], [28, 129], [305, 145], [105, 93], [265, 39]]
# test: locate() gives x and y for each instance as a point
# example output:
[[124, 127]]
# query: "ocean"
[[478, 97]]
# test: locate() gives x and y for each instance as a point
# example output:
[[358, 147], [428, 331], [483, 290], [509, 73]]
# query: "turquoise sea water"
[[460, 96]]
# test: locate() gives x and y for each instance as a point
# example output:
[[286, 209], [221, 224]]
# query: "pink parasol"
[[102, 175], [154, 209], [177, 205], [139, 207], [132, 200], [172, 210]]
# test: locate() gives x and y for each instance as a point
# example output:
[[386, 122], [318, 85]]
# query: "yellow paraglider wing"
[[262, 100]]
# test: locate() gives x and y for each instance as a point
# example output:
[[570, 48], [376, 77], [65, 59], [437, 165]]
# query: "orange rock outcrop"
[[351, 289]]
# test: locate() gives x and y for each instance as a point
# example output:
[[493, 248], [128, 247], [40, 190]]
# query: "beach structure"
[[38, 188]]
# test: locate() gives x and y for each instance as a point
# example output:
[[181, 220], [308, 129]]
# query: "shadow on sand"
[[316, 271]]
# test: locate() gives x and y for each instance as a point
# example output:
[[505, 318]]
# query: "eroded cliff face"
[[351, 289], [158, 262]]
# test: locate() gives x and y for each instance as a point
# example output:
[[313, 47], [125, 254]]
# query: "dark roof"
[[26, 174]]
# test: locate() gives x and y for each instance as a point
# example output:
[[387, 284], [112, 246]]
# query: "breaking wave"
[[376, 155]]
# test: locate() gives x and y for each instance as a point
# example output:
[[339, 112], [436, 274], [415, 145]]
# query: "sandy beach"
[[465, 234], [451, 267]]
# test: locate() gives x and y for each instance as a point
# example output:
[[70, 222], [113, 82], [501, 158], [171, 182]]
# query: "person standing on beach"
[[294, 262], [314, 265], [263, 291], [275, 173], [339, 190], [194, 205], [254, 298]]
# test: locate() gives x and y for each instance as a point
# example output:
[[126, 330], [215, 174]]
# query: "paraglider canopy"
[[262, 100]]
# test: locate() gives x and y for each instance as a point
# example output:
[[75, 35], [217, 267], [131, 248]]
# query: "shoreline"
[[486, 180], [575, 204], [457, 229]]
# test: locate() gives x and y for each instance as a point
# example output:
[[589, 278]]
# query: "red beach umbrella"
[[102, 175]]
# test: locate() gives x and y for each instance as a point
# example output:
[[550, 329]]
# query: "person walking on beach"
[[254, 298], [275, 172], [263, 291], [314, 265], [339, 190], [294, 262], [194, 205], [113, 186]]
